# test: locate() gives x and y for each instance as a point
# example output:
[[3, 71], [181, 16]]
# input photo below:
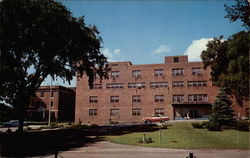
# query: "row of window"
[[135, 112], [157, 98], [152, 84], [159, 72]]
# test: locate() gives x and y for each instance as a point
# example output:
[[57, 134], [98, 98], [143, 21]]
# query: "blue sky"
[[143, 32]]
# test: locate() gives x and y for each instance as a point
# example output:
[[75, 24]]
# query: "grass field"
[[183, 135]]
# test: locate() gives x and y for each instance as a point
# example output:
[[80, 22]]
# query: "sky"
[[145, 31]]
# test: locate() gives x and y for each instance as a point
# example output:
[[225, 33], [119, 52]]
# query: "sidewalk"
[[105, 149]]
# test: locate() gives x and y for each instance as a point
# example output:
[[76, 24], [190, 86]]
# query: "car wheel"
[[162, 121], [147, 122]]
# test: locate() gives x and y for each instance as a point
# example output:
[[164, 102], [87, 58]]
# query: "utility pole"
[[49, 120]]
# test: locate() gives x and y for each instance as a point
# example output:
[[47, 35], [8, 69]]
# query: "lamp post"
[[49, 119]]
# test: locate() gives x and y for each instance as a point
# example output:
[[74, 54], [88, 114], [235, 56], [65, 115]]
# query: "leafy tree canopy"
[[239, 11], [229, 61], [40, 38]]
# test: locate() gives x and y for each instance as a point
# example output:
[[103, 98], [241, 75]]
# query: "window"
[[97, 86], [178, 98], [92, 112], [136, 98], [51, 103], [178, 84], [159, 98], [136, 85], [93, 99], [115, 74], [114, 64], [176, 59], [177, 72], [158, 72], [159, 111], [114, 112], [158, 84], [197, 83], [42, 94], [114, 85], [51, 94], [114, 99], [247, 111], [196, 71], [136, 112], [136, 73], [197, 97]]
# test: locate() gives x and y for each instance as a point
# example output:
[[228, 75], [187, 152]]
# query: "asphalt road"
[[105, 149]]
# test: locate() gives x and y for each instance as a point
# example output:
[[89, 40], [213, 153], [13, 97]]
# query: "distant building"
[[61, 99], [176, 88]]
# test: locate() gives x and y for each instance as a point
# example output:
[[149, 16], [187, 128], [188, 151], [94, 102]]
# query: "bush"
[[242, 125], [93, 126], [164, 126], [197, 125], [213, 126], [146, 141]]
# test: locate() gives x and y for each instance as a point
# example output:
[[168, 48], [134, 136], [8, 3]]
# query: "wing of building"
[[177, 88], [59, 100]]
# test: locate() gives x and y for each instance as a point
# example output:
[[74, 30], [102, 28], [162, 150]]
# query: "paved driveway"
[[105, 149]]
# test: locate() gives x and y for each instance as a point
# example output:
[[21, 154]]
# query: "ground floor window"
[[114, 112], [92, 112], [136, 112], [159, 111]]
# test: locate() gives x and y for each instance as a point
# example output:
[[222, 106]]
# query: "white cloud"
[[161, 49], [111, 55], [195, 49], [117, 51]]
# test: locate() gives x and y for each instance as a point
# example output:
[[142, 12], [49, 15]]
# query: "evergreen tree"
[[222, 112]]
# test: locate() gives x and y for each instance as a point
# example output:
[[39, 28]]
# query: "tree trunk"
[[21, 115]]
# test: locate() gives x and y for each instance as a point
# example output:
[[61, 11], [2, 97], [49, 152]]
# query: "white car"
[[13, 123], [155, 118]]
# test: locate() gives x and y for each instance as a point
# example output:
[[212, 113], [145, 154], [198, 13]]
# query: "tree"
[[229, 62], [41, 38], [241, 10], [222, 113]]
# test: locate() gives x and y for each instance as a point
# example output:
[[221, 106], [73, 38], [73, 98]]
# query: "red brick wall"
[[147, 104], [63, 101]]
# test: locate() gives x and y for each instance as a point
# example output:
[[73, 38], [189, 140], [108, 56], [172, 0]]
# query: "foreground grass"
[[183, 135]]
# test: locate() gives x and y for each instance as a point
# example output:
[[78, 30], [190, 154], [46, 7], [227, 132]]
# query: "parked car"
[[155, 118], [13, 123]]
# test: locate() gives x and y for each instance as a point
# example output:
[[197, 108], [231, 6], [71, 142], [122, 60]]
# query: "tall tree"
[[239, 11], [41, 38], [222, 113], [229, 61]]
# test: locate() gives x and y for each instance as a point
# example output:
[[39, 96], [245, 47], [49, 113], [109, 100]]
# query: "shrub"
[[164, 126], [242, 125], [93, 126], [213, 126], [197, 125], [146, 141]]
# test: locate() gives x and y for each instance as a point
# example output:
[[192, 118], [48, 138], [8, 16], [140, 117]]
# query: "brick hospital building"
[[176, 88]]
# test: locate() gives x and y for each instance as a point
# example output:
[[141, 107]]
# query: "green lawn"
[[183, 135]]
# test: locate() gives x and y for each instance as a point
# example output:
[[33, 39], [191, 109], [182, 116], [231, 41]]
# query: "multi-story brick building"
[[61, 100], [176, 88]]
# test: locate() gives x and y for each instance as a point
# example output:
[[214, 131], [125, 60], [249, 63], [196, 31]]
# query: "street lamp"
[[49, 120]]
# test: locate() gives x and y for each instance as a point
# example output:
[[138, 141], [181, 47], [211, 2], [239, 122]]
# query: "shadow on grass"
[[43, 143]]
